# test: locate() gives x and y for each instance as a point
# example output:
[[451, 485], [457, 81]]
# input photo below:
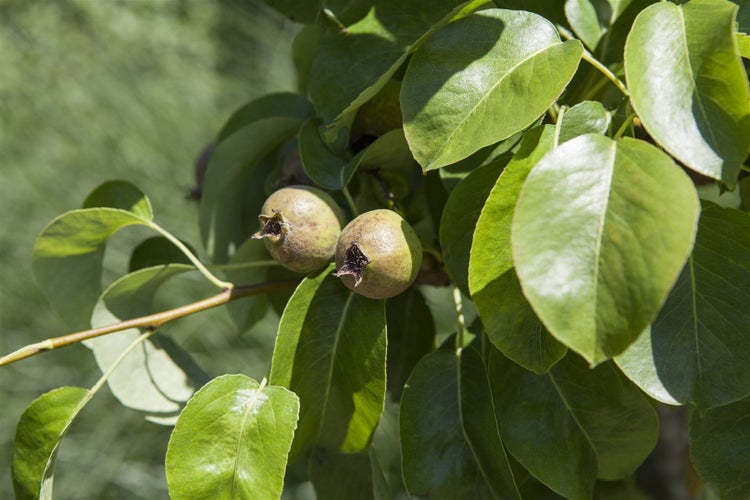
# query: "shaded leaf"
[[573, 424], [388, 34], [479, 422], [389, 151], [468, 86], [39, 433], [508, 319], [325, 167], [597, 260], [232, 441], [122, 195], [437, 460], [692, 94], [149, 379], [341, 475], [233, 190], [157, 251], [331, 351], [386, 448], [459, 219], [588, 117], [720, 448], [698, 348]]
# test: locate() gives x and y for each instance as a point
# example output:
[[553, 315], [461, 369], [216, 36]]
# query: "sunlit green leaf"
[[597, 260], [331, 351], [720, 448], [122, 195], [588, 117], [469, 86], [588, 19], [508, 319], [698, 348], [39, 434], [692, 94], [460, 218], [149, 380], [437, 460], [232, 441], [573, 424]]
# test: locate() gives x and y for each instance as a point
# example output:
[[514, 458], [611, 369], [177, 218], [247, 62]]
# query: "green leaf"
[[122, 195], [232, 441], [325, 167], [149, 379], [587, 117], [385, 451], [301, 11], [692, 94], [437, 460], [341, 475], [68, 253], [573, 424], [460, 218], [387, 35], [720, 448], [252, 263], [588, 19], [157, 251], [407, 343], [479, 423], [233, 191], [597, 260], [389, 152], [698, 347], [508, 319], [331, 351], [469, 85], [39, 433]]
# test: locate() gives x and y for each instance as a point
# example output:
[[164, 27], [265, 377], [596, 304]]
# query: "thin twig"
[[150, 322]]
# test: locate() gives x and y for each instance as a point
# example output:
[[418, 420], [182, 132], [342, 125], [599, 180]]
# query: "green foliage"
[[573, 273]]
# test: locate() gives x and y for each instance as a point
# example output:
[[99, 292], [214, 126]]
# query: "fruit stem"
[[460, 320], [150, 322], [624, 126], [558, 125], [224, 285], [350, 201]]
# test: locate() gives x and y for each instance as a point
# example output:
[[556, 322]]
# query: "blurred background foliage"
[[92, 90]]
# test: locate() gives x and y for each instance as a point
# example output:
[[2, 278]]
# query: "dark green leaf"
[[698, 348], [507, 317], [331, 351], [342, 78], [720, 448], [479, 422], [437, 460], [39, 434], [157, 251], [233, 191], [584, 118], [460, 218], [573, 424], [468, 86], [597, 260], [692, 94], [232, 441], [148, 380], [325, 167], [341, 475], [411, 335], [389, 152], [386, 448]]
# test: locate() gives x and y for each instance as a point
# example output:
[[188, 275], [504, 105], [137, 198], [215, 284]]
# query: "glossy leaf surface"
[[720, 448], [68, 253], [692, 93], [149, 379], [597, 260], [39, 434], [508, 319], [698, 348], [573, 424], [588, 117], [232, 441], [331, 351], [469, 85]]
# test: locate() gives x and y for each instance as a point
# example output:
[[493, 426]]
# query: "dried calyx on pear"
[[378, 254], [300, 226]]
